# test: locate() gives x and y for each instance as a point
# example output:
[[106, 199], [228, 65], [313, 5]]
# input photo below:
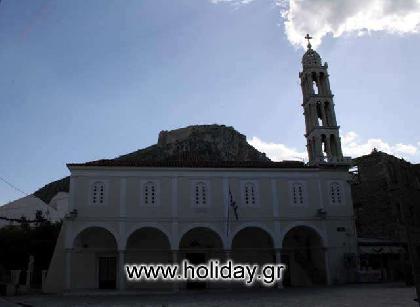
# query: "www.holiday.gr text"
[[213, 270]]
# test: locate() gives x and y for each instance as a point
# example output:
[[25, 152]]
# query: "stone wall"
[[380, 195], [386, 198]]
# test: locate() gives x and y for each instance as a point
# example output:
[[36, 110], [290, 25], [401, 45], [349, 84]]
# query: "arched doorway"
[[198, 246], [94, 259], [147, 245], [303, 253], [253, 245]]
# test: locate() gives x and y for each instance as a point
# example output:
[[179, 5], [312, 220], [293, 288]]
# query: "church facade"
[[164, 212]]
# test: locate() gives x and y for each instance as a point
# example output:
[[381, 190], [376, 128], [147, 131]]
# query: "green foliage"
[[39, 218], [19, 242]]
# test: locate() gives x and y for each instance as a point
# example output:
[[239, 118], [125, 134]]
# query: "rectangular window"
[[250, 191], [335, 193], [297, 193], [200, 193], [97, 196], [149, 193]]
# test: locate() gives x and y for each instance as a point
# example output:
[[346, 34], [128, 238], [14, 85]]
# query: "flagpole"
[[227, 215]]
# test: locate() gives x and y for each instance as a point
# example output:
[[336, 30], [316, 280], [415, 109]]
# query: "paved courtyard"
[[349, 295]]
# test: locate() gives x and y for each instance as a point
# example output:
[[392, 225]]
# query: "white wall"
[[175, 213], [28, 206]]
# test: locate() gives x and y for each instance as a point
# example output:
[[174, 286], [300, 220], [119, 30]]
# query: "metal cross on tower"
[[308, 37]]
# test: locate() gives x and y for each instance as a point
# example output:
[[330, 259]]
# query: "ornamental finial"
[[308, 37]]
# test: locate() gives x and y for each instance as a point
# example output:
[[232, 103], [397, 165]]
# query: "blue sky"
[[84, 80]]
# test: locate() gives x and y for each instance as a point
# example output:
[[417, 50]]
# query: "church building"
[[150, 211]]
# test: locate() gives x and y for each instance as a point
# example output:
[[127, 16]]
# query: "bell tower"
[[322, 132]]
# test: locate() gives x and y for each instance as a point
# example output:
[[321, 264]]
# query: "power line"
[[12, 185]]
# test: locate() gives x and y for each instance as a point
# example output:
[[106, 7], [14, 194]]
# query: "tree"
[[39, 218]]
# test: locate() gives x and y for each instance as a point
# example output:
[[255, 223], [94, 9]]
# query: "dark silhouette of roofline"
[[191, 164]]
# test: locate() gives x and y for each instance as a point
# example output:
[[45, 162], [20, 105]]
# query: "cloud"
[[353, 146], [322, 17], [406, 149], [359, 17], [278, 152], [234, 2]]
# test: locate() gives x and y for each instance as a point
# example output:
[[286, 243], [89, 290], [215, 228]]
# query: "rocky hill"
[[204, 143], [199, 142]]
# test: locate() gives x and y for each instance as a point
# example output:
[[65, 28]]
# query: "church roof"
[[192, 164]]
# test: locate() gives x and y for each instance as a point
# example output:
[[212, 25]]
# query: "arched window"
[[315, 87], [149, 193], [325, 152], [335, 193], [249, 193], [319, 114], [315, 84], [98, 193], [200, 194], [297, 194]]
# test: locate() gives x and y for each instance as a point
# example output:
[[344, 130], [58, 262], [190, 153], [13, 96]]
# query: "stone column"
[[327, 266], [303, 87], [332, 113], [310, 84], [328, 147], [278, 260], [123, 197], [228, 256], [306, 113], [322, 90], [323, 115], [121, 270], [314, 115], [318, 149], [68, 255], [339, 149], [175, 286], [309, 148], [327, 83]]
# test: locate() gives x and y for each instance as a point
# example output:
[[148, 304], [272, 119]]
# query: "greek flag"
[[233, 205]]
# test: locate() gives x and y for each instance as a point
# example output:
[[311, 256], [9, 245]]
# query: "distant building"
[[166, 210], [28, 206], [386, 198]]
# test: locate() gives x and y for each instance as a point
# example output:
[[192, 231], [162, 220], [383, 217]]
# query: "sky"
[[84, 80]]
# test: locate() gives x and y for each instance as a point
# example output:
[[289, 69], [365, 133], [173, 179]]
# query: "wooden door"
[[107, 272]]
